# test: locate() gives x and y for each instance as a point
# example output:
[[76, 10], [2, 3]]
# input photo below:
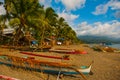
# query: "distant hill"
[[98, 39]]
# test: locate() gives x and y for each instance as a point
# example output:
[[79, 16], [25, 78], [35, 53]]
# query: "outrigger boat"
[[7, 78], [39, 55], [67, 70], [68, 51], [44, 66]]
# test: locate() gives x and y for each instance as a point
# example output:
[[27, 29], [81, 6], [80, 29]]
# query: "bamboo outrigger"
[[44, 66]]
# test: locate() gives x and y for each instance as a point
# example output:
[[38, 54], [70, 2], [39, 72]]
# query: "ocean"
[[115, 46]]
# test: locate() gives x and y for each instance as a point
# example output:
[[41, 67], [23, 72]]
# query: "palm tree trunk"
[[42, 39]]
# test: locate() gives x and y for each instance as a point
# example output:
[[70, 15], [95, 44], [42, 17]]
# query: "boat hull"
[[46, 56], [48, 69], [42, 66], [67, 51]]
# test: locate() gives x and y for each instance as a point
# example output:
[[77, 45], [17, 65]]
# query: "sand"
[[106, 65]]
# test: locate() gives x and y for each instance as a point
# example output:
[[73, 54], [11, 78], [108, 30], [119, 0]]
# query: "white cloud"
[[46, 3], [103, 8], [73, 5], [114, 4], [117, 14], [2, 10], [110, 29], [68, 16]]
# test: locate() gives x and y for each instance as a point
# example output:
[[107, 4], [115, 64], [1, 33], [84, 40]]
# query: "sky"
[[87, 17]]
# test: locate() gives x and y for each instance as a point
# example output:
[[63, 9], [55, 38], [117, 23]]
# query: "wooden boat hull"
[[39, 55], [7, 78], [51, 69], [47, 67], [68, 51], [32, 61]]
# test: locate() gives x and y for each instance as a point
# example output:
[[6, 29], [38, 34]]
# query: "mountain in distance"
[[98, 39]]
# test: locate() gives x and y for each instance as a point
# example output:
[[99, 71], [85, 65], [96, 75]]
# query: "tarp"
[[8, 31]]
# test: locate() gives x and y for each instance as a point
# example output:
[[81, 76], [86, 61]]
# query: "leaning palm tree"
[[28, 15], [23, 10]]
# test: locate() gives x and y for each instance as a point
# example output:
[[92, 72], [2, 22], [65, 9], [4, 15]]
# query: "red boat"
[[55, 57], [7, 78]]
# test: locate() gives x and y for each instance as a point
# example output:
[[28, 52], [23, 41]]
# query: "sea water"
[[115, 46]]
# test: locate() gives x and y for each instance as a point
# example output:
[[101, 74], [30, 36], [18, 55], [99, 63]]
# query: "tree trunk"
[[42, 39]]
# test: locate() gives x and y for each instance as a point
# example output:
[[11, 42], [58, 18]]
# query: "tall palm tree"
[[59, 26], [64, 30], [51, 17], [22, 10], [30, 15], [46, 21]]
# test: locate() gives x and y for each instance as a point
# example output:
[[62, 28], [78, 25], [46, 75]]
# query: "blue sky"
[[88, 17]]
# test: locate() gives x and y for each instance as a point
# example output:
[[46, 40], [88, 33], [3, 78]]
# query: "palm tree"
[[60, 26], [23, 10], [47, 18], [64, 30], [28, 15]]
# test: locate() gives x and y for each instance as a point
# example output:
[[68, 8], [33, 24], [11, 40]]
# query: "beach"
[[106, 65]]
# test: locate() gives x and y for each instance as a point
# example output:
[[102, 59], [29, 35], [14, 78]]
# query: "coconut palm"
[[64, 30], [29, 15], [46, 21], [22, 10]]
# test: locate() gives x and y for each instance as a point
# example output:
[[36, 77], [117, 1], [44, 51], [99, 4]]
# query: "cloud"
[[46, 3], [2, 10], [114, 4], [117, 14], [110, 29], [1, 0], [73, 5], [68, 16], [57, 1], [103, 8]]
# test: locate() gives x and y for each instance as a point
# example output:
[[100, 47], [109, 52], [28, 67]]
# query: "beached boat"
[[46, 56], [67, 70], [44, 66], [68, 51], [3, 77], [31, 61], [55, 70]]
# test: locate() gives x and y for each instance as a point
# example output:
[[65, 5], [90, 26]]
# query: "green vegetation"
[[30, 15]]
